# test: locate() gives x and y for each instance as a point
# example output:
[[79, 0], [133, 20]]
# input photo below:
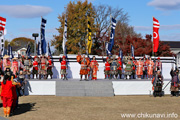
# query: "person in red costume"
[[63, 68], [35, 67], [94, 66], [139, 66], [84, 63], [50, 66], [150, 68], [107, 68], [120, 68], [43, 67], [7, 91], [158, 65]]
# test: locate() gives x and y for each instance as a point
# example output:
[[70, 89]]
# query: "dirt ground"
[[94, 108]]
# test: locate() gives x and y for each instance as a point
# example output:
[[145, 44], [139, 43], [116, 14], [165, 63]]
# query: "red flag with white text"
[[2, 23], [155, 34]]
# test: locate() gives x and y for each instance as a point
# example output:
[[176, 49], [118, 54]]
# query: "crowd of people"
[[13, 73], [141, 68]]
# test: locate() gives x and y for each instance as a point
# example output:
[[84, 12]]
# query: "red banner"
[[155, 34], [2, 23]]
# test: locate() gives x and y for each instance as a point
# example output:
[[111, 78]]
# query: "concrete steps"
[[84, 88]]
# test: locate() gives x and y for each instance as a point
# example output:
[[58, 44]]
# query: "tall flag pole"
[[113, 26], [28, 51], [89, 33], [43, 40], [39, 48], [49, 52], [108, 52], [64, 37], [132, 51], [2, 28], [120, 53], [9, 51], [155, 35]]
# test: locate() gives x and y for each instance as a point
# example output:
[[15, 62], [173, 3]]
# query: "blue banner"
[[28, 51], [113, 26], [121, 54], [132, 51], [43, 40]]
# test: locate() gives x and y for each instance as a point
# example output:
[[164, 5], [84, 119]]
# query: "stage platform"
[[100, 87]]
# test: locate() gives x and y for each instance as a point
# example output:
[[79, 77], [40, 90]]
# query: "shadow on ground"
[[25, 107]]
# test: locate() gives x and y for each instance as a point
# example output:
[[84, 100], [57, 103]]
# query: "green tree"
[[76, 14], [22, 42]]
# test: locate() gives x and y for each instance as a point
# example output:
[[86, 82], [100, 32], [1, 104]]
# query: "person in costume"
[[145, 66], [21, 79], [21, 63], [128, 68], [107, 68], [63, 68], [158, 65], [35, 67], [120, 68], [43, 67], [150, 68], [139, 70], [27, 66], [114, 65], [6, 62], [15, 67], [50, 66], [157, 77], [7, 91], [84, 63], [94, 66], [133, 68], [175, 83]]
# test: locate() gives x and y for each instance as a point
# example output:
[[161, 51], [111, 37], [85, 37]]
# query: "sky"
[[24, 16]]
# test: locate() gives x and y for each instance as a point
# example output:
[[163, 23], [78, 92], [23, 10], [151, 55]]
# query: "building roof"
[[173, 44]]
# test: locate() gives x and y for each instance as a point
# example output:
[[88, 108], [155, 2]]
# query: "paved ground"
[[95, 108]]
